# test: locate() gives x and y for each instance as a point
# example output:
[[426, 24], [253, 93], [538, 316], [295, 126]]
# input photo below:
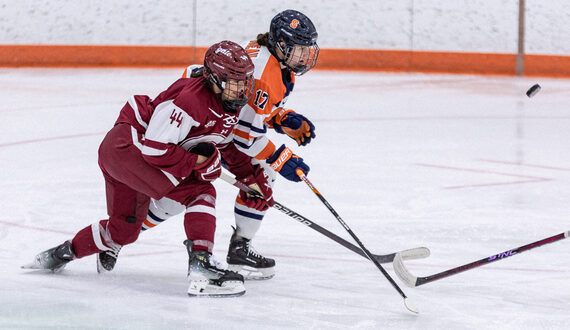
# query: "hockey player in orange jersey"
[[289, 49]]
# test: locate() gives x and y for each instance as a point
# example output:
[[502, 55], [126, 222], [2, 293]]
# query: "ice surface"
[[465, 165]]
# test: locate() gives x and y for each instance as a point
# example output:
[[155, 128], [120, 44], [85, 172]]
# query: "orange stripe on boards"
[[329, 59], [395, 60], [464, 63], [64, 55], [547, 65]]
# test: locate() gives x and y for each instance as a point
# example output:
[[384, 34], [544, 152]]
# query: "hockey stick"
[[407, 302], [414, 253], [413, 281]]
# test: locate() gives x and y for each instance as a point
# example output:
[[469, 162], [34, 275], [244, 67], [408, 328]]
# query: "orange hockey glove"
[[296, 126]]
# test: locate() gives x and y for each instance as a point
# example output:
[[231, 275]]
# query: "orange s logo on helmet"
[[294, 23]]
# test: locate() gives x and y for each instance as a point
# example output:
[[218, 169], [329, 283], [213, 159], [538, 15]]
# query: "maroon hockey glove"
[[211, 169], [258, 182]]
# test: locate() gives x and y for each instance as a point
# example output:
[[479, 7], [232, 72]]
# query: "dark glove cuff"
[[205, 149], [278, 128], [276, 154]]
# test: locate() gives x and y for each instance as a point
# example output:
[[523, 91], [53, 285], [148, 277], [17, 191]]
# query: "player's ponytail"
[[263, 39]]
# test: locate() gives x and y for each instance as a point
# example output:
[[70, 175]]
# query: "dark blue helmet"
[[293, 33]]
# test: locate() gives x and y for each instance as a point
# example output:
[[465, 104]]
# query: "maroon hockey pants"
[[129, 181], [199, 201]]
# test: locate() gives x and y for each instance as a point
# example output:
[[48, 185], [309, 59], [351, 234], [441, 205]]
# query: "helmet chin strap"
[[283, 58], [279, 54], [228, 105], [215, 87]]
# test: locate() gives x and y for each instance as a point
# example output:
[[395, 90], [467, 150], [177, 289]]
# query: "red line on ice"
[[526, 165], [9, 144], [532, 179], [35, 228]]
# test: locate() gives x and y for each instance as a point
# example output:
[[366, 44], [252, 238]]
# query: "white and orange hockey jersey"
[[272, 87]]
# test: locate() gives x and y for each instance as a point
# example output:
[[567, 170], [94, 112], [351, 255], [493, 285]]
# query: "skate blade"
[[253, 274], [36, 266], [31, 265], [216, 295], [228, 289]]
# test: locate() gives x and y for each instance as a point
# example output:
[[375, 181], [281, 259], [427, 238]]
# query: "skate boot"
[[53, 259], [106, 260], [245, 260], [208, 278]]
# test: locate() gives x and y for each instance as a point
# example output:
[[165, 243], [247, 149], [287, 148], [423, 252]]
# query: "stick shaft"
[[368, 254], [284, 209], [493, 258]]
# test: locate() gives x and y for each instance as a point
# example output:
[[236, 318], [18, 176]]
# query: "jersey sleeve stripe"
[[150, 151], [241, 144], [135, 137], [153, 148], [267, 151], [135, 107], [242, 134], [171, 178]]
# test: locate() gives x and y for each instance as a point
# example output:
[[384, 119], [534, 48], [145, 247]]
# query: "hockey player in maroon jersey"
[[169, 147], [288, 49]]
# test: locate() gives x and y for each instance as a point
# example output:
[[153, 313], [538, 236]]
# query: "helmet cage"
[[236, 93], [300, 59], [228, 66]]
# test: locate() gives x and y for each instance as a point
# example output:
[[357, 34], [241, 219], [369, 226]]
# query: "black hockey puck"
[[533, 90]]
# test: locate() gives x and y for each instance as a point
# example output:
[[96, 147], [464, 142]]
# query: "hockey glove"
[[258, 182], [286, 163], [296, 126], [211, 169]]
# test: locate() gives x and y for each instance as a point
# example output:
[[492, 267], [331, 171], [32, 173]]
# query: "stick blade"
[[402, 271], [415, 253], [411, 306]]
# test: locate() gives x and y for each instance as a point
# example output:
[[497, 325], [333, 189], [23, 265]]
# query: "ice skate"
[[208, 278], [245, 260], [53, 259], [106, 260]]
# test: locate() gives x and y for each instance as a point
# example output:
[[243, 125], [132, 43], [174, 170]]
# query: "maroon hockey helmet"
[[227, 65]]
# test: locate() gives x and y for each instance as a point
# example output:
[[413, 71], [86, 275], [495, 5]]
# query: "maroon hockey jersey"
[[165, 128]]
